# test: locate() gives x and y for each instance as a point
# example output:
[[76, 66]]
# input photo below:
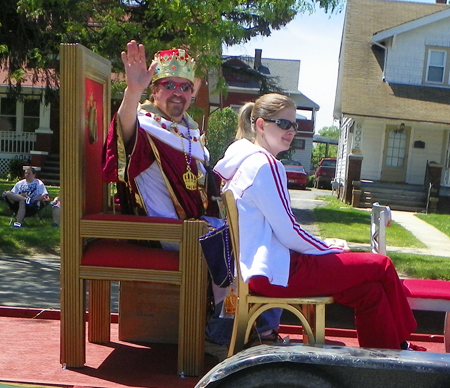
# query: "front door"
[[395, 155]]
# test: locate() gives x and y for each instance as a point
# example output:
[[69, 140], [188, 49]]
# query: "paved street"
[[29, 281], [33, 282]]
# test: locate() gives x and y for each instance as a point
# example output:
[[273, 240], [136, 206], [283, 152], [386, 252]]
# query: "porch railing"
[[12, 142]]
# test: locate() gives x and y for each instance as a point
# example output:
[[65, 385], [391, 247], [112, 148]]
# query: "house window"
[[299, 144], [7, 114], [19, 116], [396, 149], [31, 110], [436, 66]]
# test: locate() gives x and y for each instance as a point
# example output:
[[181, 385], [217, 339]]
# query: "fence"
[[14, 146]]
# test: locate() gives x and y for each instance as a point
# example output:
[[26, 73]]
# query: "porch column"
[[353, 174]]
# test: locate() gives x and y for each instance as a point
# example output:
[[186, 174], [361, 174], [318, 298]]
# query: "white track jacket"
[[268, 228]]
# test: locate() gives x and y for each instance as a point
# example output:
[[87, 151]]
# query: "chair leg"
[[73, 320], [447, 332], [319, 323], [237, 341], [192, 321], [308, 312], [99, 323]]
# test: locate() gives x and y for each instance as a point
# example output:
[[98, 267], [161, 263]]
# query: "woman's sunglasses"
[[283, 123], [169, 85]]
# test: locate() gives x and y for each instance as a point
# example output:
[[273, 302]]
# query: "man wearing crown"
[[154, 151], [154, 148]]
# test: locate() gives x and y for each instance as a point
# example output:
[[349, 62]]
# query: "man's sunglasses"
[[169, 85], [283, 123]]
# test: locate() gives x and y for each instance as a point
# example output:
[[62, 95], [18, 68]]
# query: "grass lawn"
[[335, 220], [338, 220], [439, 221], [34, 237]]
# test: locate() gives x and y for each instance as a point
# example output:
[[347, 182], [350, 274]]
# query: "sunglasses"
[[283, 123], [169, 85]]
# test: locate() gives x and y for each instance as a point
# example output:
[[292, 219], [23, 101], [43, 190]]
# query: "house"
[[243, 77], [393, 100], [26, 126]]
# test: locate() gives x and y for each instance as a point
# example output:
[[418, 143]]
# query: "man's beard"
[[175, 110]]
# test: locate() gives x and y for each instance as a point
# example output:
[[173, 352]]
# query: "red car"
[[296, 176], [324, 173]]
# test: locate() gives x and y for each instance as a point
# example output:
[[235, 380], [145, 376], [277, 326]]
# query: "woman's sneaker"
[[17, 225]]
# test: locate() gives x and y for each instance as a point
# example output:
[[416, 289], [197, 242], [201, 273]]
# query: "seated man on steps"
[[25, 197]]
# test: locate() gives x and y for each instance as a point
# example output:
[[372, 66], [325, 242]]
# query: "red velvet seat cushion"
[[427, 289], [123, 254]]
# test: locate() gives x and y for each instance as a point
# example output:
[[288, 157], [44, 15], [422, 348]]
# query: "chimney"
[[257, 63]]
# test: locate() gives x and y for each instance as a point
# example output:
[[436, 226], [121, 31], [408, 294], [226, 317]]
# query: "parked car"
[[324, 173], [290, 162], [296, 176]]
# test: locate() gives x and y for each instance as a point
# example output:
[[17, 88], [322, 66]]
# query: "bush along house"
[[393, 105]]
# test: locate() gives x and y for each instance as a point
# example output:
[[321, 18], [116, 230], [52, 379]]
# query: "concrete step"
[[386, 199], [407, 208], [397, 196], [50, 173], [51, 182]]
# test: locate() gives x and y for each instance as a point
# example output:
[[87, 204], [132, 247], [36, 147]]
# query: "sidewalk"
[[438, 243]]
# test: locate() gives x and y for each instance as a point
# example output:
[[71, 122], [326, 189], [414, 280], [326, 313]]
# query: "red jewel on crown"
[[148, 114], [164, 126]]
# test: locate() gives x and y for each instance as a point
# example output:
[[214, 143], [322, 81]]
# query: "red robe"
[[123, 163]]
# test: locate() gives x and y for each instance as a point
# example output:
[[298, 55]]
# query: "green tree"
[[32, 30], [222, 126], [321, 150]]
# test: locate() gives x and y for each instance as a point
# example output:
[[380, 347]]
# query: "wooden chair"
[[95, 247], [310, 311]]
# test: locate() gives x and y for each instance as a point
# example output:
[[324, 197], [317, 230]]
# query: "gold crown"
[[174, 63]]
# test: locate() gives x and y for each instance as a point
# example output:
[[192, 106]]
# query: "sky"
[[315, 41]]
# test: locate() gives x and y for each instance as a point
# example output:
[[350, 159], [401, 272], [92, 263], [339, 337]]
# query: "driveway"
[[303, 203]]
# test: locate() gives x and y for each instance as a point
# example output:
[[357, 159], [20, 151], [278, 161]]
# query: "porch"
[[15, 145]]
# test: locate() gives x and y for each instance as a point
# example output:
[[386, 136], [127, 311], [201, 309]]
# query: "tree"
[[222, 126], [32, 30], [322, 150]]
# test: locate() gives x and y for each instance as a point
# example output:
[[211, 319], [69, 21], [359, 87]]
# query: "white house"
[[393, 96]]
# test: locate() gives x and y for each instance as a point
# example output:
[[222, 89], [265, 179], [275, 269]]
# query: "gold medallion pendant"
[[190, 180], [230, 302]]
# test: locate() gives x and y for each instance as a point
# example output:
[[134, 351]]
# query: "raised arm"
[[138, 78]]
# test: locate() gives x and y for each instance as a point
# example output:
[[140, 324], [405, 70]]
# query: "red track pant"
[[366, 282]]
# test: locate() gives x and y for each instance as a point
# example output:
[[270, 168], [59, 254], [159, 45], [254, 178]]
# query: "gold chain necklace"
[[189, 178]]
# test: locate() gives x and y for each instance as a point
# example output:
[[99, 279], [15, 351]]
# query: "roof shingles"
[[363, 91]]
